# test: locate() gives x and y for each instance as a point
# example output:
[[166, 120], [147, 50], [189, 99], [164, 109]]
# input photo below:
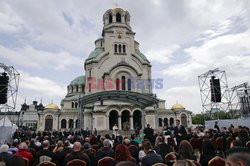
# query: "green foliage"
[[198, 119]]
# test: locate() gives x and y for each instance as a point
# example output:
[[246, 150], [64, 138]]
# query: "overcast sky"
[[47, 41]]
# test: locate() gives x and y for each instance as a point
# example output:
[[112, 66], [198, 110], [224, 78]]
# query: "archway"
[[165, 121], [160, 122], [118, 17], [71, 123], [125, 118], [113, 119], [137, 119], [184, 120], [171, 121], [63, 123], [77, 123], [48, 123]]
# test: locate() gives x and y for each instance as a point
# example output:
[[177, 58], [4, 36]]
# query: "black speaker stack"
[[215, 89], [4, 80]]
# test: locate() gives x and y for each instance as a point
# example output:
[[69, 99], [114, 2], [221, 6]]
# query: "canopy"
[[7, 129]]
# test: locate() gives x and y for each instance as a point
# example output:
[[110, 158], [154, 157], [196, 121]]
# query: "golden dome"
[[51, 106], [177, 106]]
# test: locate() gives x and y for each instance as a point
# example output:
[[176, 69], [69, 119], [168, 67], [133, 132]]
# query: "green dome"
[[141, 55], [95, 53], [79, 81]]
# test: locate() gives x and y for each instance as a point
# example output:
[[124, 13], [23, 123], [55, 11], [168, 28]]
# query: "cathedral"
[[117, 88]]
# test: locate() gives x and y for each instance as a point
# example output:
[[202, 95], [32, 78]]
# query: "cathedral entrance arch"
[[137, 115], [48, 123], [184, 120], [113, 119], [171, 121], [125, 120]]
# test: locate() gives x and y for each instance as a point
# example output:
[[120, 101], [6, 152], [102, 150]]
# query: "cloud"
[[188, 96], [42, 86], [229, 52], [10, 21], [31, 57], [162, 55]]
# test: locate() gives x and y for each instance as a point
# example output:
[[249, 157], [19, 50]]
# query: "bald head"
[[77, 146], [45, 144]]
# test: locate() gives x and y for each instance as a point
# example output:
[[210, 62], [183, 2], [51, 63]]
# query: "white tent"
[[7, 130]]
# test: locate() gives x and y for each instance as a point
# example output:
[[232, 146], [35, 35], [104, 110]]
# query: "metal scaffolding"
[[12, 87], [239, 92], [209, 106]]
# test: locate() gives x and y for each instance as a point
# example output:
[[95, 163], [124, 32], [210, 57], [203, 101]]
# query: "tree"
[[198, 119]]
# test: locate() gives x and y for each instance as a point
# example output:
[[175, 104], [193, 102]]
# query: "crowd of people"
[[177, 146]]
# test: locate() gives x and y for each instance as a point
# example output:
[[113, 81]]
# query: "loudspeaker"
[[215, 90], [4, 80]]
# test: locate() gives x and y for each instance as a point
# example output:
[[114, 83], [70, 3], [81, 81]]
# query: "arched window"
[[110, 18], [120, 48], [72, 105], [76, 104], [129, 84], [118, 17], [115, 47], [124, 48], [71, 123], [63, 123], [123, 83], [117, 81], [160, 122]]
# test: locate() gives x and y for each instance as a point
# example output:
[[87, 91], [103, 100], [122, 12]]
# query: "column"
[[131, 123], [143, 118], [67, 123], [119, 122]]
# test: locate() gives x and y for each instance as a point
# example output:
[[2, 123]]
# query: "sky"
[[47, 42]]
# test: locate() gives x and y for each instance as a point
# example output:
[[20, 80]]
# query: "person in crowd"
[[185, 151], [238, 157], [59, 153], [179, 132], [236, 143], [121, 154], [184, 163], [126, 163], [208, 152], [44, 154], [142, 153], [90, 153], [115, 130], [151, 156], [216, 126], [132, 140], [105, 150], [23, 152], [16, 160], [149, 133], [77, 154], [243, 136], [4, 155], [162, 148]]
